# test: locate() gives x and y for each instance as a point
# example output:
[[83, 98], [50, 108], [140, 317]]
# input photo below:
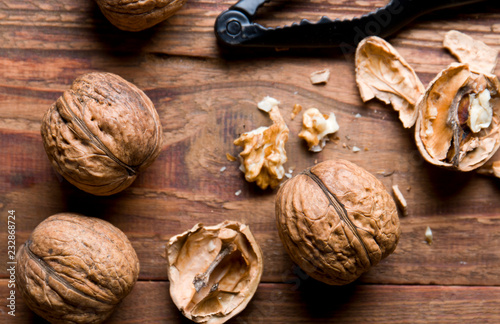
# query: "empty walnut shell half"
[[458, 126], [101, 133], [75, 269], [382, 73], [336, 221], [134, 15], [214, 271]]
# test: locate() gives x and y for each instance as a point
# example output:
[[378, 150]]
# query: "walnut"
[[336, 221], [214, 271], [76, 269], [134, 15], [316, 127], [457, 117], [101, 133], [384, 74], [458, 125], [264, 152]]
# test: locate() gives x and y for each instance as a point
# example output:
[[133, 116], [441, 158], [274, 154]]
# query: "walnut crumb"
[[231, 158], [296, 110]]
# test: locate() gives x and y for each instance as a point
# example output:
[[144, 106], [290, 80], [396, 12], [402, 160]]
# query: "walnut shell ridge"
[[76, 269], [336, 221], [101, 133], [134, 15]]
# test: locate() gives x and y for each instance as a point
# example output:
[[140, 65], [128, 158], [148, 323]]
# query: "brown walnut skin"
[[336, 221], [101, 133], [75, 269], [134, 15]]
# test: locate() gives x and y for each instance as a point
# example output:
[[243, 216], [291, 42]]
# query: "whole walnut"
[[101, 133], [76, 269], [134, 15], [336, 221]]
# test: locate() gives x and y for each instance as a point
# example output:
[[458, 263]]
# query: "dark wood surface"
[[205, 100]]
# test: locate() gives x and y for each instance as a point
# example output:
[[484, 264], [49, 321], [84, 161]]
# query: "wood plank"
[[185, 185], [311, 302], [205, 100], [79, 25]]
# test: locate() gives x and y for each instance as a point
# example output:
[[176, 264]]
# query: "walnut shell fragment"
[[214, 271], [316, 127], [320, 77], [336, 221], [134, 15], [480, 57], [75, 269], [101, 133], [400, 200], [384, 74], [264, 151], [491, 168], [458, 125]]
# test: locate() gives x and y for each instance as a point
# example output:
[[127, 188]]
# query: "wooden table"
[[205, 100]]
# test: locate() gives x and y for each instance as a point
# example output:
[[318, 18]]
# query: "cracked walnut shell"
[[76, 269], [214, 271], [480, 57], [336, 221], [101, 133], [134, 15], [458, 126], [382, 73]]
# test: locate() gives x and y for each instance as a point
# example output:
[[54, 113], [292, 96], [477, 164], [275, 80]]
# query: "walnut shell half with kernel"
[[75, 269], [458, 125], [134, 15], [214, 271], [101, 133], [336, 221]]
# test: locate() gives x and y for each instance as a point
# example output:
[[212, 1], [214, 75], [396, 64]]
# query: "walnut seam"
[[44, 265], [339, 208]]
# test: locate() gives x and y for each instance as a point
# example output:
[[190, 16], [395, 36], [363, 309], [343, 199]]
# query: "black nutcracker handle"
[[234, 27]]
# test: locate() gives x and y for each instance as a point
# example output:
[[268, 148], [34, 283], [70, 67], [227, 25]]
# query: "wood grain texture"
[[205, 100], [309, 302]]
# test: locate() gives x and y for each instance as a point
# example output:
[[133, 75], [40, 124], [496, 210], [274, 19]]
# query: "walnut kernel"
[[316, 127], [264, 152]]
